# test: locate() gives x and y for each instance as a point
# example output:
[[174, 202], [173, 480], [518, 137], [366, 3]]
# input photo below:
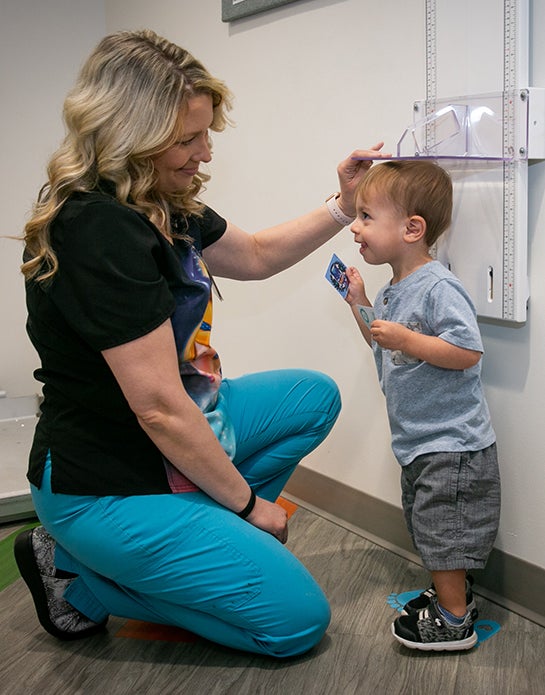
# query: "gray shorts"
[[451, 503]]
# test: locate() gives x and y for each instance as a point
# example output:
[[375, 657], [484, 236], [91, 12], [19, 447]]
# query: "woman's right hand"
[[270, 517], [351, 171]]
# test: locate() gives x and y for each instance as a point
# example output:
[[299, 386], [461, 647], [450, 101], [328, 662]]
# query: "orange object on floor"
[[290, 507], [138, 629]]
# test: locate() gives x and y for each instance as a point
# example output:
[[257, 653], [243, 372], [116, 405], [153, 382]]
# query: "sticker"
[[367, 314]]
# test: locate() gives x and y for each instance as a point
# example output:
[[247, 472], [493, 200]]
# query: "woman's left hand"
[[270, 517], [351, 171]]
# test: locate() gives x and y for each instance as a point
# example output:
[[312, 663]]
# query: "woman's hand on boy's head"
[[351, 171]]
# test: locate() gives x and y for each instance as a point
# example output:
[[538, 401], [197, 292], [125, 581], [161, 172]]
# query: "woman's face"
[[176, 166]]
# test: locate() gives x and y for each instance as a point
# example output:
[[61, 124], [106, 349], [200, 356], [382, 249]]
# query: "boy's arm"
[[356, 295], [364, 328], [429, 348]]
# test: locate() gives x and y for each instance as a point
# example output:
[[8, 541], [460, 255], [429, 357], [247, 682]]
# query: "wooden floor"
[[358, 656]]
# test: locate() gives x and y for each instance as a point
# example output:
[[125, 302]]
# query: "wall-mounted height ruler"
[[513, 198], [431, 68], [515, 193]]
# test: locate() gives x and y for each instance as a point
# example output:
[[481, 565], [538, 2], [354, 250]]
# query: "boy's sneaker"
[[424, 599], [428, 630], [34, 551]]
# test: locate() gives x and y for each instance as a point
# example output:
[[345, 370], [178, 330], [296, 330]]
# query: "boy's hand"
[[428, 348], [356, 288], [390, 335]]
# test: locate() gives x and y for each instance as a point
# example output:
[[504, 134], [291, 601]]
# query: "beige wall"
[[314, 80]]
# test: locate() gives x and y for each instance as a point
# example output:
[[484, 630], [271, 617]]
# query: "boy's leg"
[[450, 586], [424, 598], [452, 506], [451, 503]]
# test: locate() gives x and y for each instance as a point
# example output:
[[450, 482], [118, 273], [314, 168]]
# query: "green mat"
[[8, 569]]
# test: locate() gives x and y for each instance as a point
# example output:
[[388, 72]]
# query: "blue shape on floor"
[[485, 629], [397, 601]]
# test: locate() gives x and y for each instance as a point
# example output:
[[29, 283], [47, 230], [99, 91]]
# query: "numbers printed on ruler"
[[431, 69], [509, 183], [509, 213]]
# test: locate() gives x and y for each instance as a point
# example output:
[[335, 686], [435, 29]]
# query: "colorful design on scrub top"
[[200, 365]]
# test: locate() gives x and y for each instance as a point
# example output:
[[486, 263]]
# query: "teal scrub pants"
[[183, 559]]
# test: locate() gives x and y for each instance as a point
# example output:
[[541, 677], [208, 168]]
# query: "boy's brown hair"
[[413, 187]]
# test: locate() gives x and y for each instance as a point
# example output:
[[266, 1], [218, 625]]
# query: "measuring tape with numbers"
[[510, 77], [431, 70]]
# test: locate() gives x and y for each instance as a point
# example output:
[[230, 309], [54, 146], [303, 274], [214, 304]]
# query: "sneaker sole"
[[458, 645], [24, 557]]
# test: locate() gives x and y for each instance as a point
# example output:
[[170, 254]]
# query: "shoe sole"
[[26, 562], [458, 645]]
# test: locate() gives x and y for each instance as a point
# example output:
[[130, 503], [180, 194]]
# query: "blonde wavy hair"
[[123, 110]]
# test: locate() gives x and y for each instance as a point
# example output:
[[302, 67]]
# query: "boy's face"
[[379, 230]]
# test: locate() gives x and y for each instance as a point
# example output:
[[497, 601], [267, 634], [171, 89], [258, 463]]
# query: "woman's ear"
[[415, 229]]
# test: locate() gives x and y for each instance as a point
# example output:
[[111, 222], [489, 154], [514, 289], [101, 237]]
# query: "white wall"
[[313, 80], [41, 47]]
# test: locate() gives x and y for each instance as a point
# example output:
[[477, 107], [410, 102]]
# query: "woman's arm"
[[147, 372], [242, 256]]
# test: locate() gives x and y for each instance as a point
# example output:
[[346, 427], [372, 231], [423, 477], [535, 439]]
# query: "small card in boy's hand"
[[336, 275], [367, 314]]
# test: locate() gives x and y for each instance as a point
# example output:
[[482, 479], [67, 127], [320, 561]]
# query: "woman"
[[154, 478]]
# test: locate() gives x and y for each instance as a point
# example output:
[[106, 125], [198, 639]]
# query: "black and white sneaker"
[[428, 630], [423, 600], [34, 551]]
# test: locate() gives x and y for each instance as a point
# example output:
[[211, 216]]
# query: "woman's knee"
[[331, 393], [307, 630], [326, 397]]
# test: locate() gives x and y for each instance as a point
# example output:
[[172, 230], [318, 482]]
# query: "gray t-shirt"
[[432, 409]]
